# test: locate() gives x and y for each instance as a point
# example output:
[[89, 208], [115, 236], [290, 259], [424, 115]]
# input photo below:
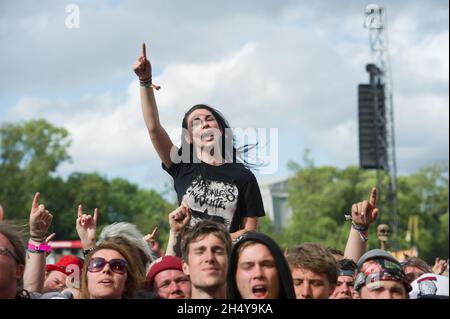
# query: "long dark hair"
[[232, 153]]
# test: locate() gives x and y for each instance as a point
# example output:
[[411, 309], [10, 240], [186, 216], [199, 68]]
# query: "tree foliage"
[[321, 196], [30, 153]]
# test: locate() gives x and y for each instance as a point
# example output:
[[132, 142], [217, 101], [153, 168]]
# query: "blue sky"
[[290, 65]]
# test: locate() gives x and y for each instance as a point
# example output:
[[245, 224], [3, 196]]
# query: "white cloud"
[[106, 134], [292, 65], [339, 140]]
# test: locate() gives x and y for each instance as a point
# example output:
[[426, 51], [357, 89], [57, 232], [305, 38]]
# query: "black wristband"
[[146, 83], [360, 228]]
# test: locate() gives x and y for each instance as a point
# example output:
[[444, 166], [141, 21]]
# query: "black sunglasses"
[[119, 266]]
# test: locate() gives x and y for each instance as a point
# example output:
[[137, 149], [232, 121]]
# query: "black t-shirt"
[[224, 193]]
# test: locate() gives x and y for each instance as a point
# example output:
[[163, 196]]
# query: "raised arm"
[[86, 226], [158, 135], [178, 219], [40, 221], [363, 214], [440, 266], [150, 239], [248, 223]]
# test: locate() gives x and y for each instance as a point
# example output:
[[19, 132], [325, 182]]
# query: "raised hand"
[[142, 66], [365, 212], [440, 266], [86, 226], [40, 220], [179, 218], [151, 238]]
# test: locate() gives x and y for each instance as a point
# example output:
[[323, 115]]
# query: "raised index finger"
[[155, 230], [95, 215], [373, 197], [36, 200], [144, 50]]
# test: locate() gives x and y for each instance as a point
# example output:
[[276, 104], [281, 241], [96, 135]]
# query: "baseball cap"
[[64, 262]]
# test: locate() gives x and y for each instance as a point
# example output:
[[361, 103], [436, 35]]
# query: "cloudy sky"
[[290, 65]]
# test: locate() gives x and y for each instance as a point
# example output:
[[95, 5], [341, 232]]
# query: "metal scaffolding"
[[376, 23]]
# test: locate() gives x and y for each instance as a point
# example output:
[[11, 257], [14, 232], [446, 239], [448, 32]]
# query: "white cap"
[[429, 286]]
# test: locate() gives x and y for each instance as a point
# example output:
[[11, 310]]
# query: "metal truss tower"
[[376, 23]]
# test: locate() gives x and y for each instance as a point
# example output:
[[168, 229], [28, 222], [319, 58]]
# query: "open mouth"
[[209, 134], [106, 282], [260, 291]]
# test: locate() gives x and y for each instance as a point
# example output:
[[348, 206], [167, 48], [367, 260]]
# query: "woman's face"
[[203, 128], [107, 274], [10, 271]]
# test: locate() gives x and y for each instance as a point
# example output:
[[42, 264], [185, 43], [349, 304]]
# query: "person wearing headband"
[[345, 281], [380, 276]]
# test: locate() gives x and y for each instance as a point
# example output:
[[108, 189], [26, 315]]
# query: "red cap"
[[64, 262], [161, 264]]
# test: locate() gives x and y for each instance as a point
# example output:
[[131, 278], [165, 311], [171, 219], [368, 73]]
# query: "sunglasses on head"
[[119, 266]]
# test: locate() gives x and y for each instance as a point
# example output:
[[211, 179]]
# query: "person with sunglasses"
[[12, 263], [110, 272], [20, 279], [124, 233]]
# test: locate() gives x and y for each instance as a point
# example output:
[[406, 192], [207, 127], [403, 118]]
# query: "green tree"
[[425, 194], [91, 191], [29, 153], [152, 210], [320, 196]]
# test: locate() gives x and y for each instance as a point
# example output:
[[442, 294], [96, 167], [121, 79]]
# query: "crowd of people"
[[214, 250], [120, 263]]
